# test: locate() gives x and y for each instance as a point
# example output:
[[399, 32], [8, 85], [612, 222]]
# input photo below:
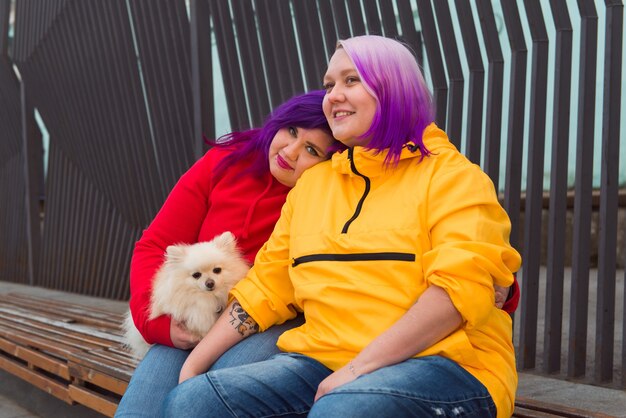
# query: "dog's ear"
[[175, 252], [226, 240]]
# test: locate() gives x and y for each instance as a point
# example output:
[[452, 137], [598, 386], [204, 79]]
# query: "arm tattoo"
[[241, 321]]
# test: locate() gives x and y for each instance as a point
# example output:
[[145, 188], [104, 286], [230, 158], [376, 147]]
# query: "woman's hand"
[[501, 294], [231, 327], [340, 377], [190, 369], [181, 337]]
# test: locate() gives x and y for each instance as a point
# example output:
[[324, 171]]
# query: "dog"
[[192, 287]]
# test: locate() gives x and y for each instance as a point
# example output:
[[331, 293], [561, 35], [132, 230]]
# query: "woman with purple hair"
[[240, 186], [391, 250]]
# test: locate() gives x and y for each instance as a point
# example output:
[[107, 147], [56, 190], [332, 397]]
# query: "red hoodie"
[[199, 208]]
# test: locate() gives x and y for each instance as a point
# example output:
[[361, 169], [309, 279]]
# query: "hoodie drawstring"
[[246, 224]]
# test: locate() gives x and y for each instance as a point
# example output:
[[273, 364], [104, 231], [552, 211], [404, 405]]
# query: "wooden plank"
[[117, 353], [46, 338], [44, 383], [107, 367], [527, 404], [35, 358], [28, 339], [82, 332], [529, 413], [101, 403], [81, 313], [98, 378]]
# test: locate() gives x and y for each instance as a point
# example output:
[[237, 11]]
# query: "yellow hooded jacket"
[[358, 243]]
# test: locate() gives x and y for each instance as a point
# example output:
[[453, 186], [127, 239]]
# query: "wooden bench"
[[75, 353], [70, 351]]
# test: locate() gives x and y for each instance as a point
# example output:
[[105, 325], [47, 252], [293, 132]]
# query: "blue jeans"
[[157, 374], [285, 386]]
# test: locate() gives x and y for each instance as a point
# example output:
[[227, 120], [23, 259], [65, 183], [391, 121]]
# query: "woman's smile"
[[282, 163]]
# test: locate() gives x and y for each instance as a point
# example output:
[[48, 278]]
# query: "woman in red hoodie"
[[240, 186]]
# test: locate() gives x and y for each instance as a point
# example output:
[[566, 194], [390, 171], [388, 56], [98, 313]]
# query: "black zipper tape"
[[354, 257]]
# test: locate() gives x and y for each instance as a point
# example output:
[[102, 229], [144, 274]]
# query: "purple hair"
[[303, 111], [392, 76]]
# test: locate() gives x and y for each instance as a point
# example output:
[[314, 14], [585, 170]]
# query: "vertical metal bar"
[[388, 18], [558, 188], [288, 38], [251, 62], [454, 126], [579, 294], [277, 88], [435, 61], [495, 76], [311, 42], [229, 62], [534, 186], [515, 127], [5, 10], [279, 49], [476, 85], [409, 32], [605, 318], [341, 19], [374, 26], [31, 152], [355, 14], [201, 75], [328, 26]]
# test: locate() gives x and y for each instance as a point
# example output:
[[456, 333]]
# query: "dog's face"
[[207, 266]]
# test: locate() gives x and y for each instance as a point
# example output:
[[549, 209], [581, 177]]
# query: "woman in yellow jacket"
[[391, 250]]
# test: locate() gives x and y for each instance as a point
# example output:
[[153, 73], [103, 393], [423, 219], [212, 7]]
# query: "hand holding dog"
[[231, 327], [181, 337]]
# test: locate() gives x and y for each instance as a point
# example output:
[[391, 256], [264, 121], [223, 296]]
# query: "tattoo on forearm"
[[241, 321]]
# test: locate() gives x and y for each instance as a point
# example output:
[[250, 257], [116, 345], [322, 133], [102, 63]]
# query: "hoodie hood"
[[370, 162]]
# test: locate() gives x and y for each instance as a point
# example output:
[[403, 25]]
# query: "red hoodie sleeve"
[[512, 300], [179, 221]]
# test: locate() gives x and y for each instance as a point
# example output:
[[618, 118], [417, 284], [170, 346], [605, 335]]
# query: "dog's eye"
[[196, 275], [217, 270]]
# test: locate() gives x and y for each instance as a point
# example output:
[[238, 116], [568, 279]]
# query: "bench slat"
[[554, 410], [44, 383], [98, 378], [85, 332], [99, 363], [101, 403], [35, 358], [80, 313]]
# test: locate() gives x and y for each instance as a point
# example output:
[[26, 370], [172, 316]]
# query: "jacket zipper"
[[393, 256], [359, 206]]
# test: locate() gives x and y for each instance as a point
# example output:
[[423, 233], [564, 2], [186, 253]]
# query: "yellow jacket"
[[357, 244]]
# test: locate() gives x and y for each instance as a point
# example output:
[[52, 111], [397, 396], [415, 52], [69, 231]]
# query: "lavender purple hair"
[[303, 111], [392, 76]]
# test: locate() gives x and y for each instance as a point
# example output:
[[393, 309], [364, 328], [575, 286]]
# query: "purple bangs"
[[303, 111], [392, 76]]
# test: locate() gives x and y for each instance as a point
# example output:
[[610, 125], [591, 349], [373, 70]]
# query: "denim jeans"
[[285, 386], [157, 374]]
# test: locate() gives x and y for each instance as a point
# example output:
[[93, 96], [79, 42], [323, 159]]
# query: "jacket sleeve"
[[178, 221], [470, 248], [267, 293], [510, 305]]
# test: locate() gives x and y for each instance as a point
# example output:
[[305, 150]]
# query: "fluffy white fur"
[[192, 287]]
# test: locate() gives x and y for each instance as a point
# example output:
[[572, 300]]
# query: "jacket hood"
[[370, 162]]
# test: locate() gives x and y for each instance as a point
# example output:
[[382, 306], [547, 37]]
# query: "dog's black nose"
[[210, 284]]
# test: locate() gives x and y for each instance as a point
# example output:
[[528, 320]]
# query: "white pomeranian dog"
[[192, 287]]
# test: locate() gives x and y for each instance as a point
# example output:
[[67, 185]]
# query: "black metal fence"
[[125, 89]]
